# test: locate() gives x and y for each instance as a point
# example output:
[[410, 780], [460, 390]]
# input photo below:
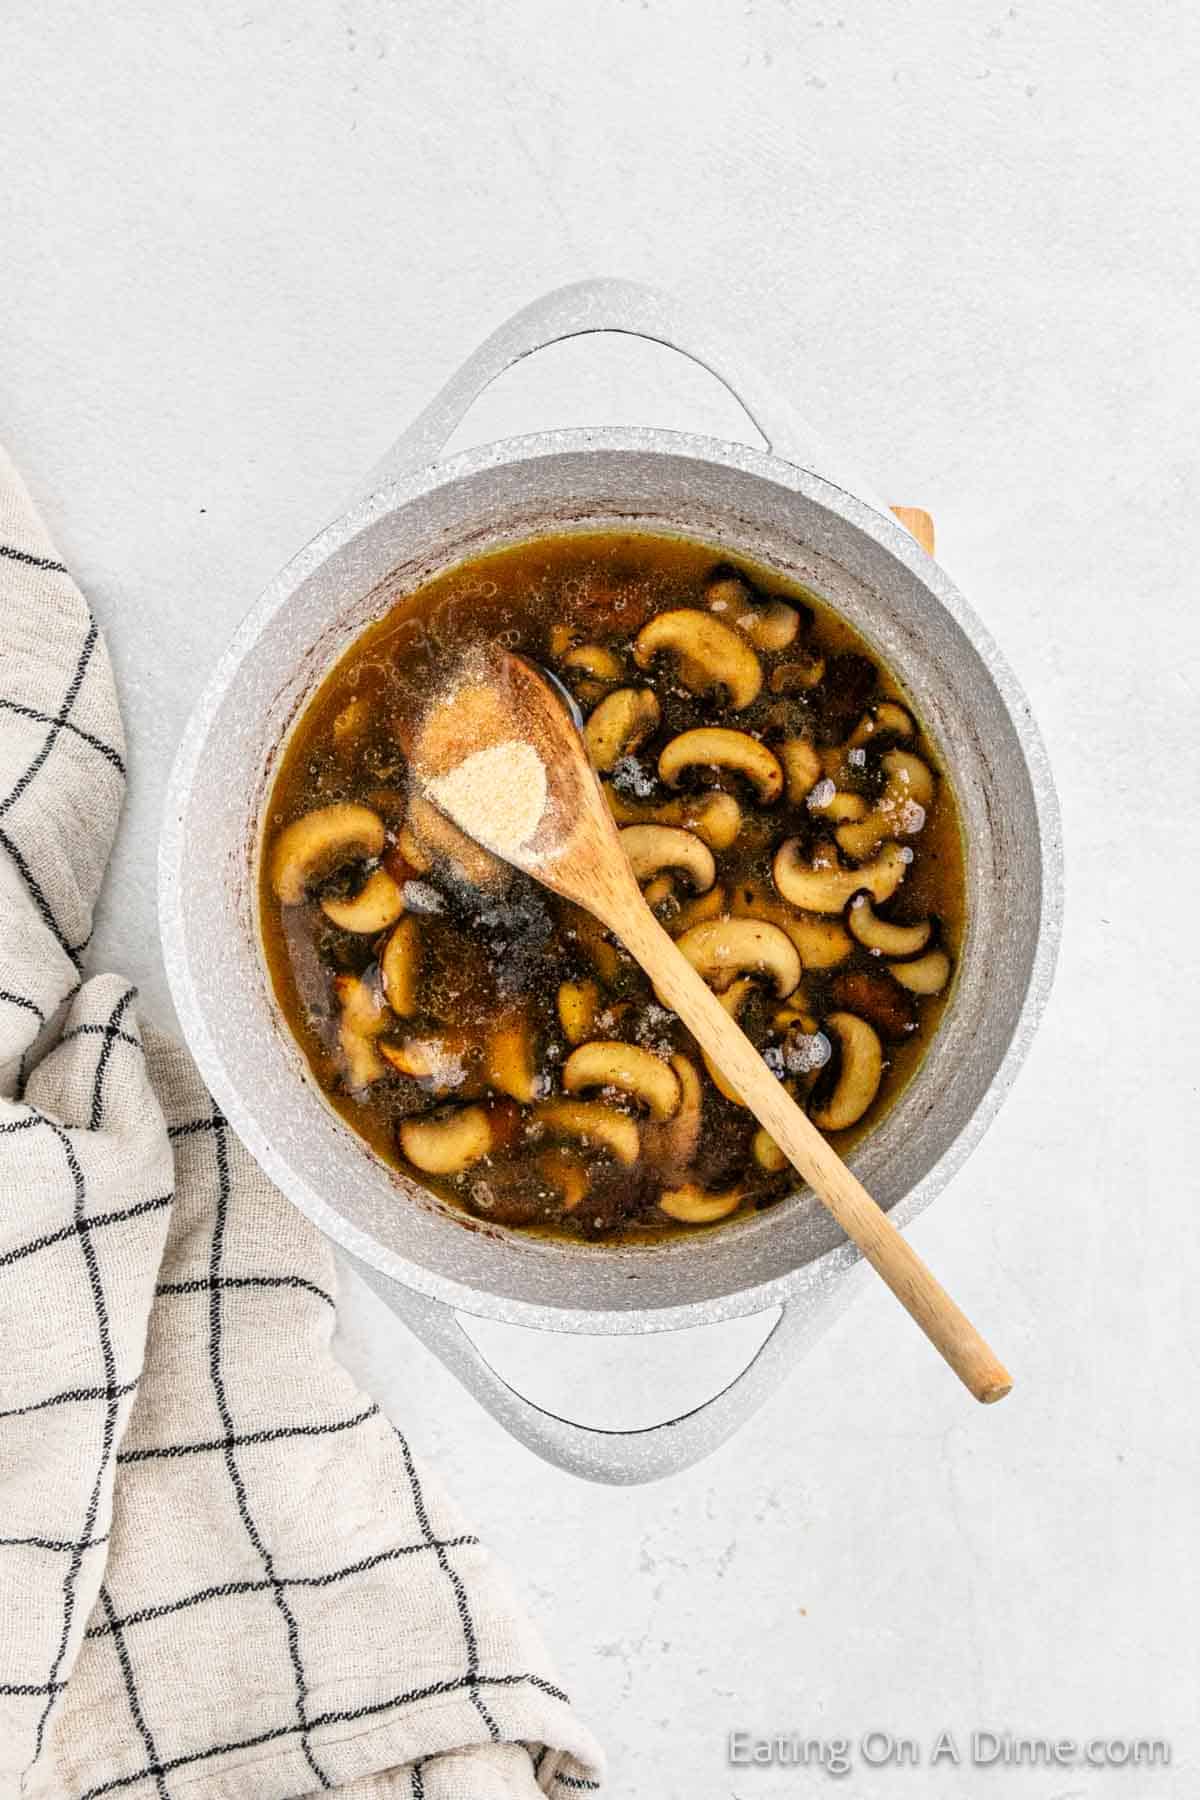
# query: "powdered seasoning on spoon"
[[496, 795]]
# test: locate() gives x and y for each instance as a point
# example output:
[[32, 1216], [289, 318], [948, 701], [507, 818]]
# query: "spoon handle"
[[914, 1285]]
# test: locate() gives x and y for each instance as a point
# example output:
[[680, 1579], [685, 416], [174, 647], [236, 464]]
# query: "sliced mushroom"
[[361, 1004], [578, 1004], [607, 1063], [694, 912], [769, 624], [672, 1145], [802, 766], [349, 724], [901, 807], [874, 996], [597, 945], [886, 717], [596, 660], [400, 966], [913, 778], [767, 1153], [927, 974], [569, 1178], [822, 942], [709, 654], [593, 1123], [653, 848], [722, 949], [823, 886], [360, 1059], [692, 1205], [773, 625], [378, 904], [837, 805], [733, 999], [881, 936], [620, 722], [311, 848], [363, 1018], [508, 1064], [437, 1059], [447, 1141], [588, 691], [856, 1073], [727, 592], [798, 674], [716, 818], [717, 747]]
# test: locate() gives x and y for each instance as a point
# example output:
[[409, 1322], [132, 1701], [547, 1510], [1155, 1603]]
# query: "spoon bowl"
[[500, 701]]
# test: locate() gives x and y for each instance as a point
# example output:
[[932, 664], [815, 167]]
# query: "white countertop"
[[242, 244]]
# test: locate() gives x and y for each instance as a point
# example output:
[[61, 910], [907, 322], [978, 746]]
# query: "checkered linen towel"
[[222, 1571]]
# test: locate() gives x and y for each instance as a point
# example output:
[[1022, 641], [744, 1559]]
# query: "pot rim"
[[396, 493]]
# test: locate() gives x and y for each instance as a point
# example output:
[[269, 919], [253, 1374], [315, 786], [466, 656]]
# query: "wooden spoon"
[[503, 706]]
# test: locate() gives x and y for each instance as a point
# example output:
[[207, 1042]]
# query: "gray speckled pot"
[[420, 515]]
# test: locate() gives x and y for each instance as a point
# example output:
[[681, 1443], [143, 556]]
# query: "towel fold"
[[222, 1570]]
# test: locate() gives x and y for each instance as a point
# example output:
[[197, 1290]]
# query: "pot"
[[797, 507]]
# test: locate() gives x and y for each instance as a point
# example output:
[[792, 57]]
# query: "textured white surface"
[[243, 244]]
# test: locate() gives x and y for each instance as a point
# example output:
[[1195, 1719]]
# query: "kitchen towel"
[[222, 1570]]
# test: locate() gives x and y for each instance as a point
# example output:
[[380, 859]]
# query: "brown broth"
[[487, 954]]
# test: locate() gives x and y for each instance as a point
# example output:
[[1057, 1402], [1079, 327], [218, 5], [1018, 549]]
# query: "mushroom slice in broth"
[[593, 1124], [901, 809], [448, 1141], [715, 818], [692, 1205], [769, 624], [924, 975], [322, 841], [708, 654], [724, 948], [854, 1074], [378, 904], [509, 1063], [618, 724], [824, 886], [883, 937], [596, 660], [716, 747], [400, 967], [653, 848], [363, 1019], [578, 1004], [672, 1144], [636, 1072]]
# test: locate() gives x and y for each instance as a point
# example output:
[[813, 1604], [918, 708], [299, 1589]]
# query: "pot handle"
[[621, 1458], [621, 306]]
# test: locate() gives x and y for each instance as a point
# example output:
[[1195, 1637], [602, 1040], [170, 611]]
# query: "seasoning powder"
[[497, 796]]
